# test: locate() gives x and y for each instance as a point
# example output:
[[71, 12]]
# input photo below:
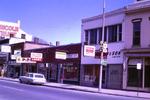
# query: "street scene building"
[[127, 57], [127, 34], [60, 63]]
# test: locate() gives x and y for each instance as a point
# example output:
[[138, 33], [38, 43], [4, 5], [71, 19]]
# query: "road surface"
[[16, 91]]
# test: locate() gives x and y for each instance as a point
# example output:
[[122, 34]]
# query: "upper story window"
[[112, 30], [93, 36], [100, 35], [86, 36], [115, 33], [105, 34], [23, 36], [136, 32], [11, 35], [120, 32], [112, 33]]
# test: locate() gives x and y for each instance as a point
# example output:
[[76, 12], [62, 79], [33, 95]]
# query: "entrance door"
[[104, 75], [147, 76]]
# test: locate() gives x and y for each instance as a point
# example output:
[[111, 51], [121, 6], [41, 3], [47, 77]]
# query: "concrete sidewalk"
[[90, 89]]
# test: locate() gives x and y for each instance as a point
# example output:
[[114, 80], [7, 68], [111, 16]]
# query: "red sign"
[[8, 28], [36, 56], [36, 59], [89, 50]]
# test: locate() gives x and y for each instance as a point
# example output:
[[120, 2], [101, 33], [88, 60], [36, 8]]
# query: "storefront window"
[[147, 72], [91, 74], [71, 72], [53, 71], [135, 76]]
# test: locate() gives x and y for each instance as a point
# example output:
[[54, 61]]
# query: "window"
[[136, 33], [100, 35], [134, 76], [86, 36], [112, 31], [23, 36], [147, 73], [11, 35], [105, 34], [120, 32], [115, 33], [71, 72], [93, 36]]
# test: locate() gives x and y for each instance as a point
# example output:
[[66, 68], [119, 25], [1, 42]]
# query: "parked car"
[[33, 78]]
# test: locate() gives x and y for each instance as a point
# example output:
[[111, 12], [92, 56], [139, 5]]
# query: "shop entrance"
[[139, 78], [91, 75]]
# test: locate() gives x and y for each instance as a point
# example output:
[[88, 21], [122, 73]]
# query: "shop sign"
[[60, 55], [6, 30], [17, 53], [5, 48], [75, 55], [36, 56], [24, 60], [138, 66], [104, 62], [89, 50]]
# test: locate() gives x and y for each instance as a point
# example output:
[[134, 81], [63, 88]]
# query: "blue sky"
[[55, 20]]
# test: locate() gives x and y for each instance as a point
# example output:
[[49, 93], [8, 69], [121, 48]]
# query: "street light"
[[101, 66]]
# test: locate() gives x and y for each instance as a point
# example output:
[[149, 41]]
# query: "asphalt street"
[[16, 91]]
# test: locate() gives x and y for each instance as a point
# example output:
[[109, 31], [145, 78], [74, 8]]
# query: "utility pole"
[[101, 45]]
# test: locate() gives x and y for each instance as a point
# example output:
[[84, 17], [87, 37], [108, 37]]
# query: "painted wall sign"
[[36, 56], [60, 55], [89, 50], [5, 48], [75, 55], [24, 60]]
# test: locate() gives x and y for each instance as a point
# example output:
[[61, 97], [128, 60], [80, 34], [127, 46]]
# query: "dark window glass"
[[93, 36], [134, 77], [23, 36], [112, 31], [136, 33], [147, 73], [105, 34], [100, 35], [11, 35], [120, 32], [86, 36], [39, 76]]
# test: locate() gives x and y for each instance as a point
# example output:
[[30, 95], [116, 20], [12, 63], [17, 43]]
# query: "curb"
[[71, 89]]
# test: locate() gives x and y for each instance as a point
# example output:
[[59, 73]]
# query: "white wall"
[[96, 23], [145, 29]]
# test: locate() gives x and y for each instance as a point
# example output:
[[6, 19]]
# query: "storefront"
[[137, 79], [90, 75], [63, 70]]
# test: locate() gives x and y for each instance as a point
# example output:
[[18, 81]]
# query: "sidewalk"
[[90, 89]]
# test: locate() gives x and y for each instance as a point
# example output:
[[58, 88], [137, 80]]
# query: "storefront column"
[[59, 73], [143, 66], [125, 65], [81, 74]]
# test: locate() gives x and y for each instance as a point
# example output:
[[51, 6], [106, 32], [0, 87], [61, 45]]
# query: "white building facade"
[[92, 35], [127, 34], [137, 47], [13, 30]]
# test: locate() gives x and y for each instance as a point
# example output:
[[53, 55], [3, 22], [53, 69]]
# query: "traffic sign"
[[104, 62]]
